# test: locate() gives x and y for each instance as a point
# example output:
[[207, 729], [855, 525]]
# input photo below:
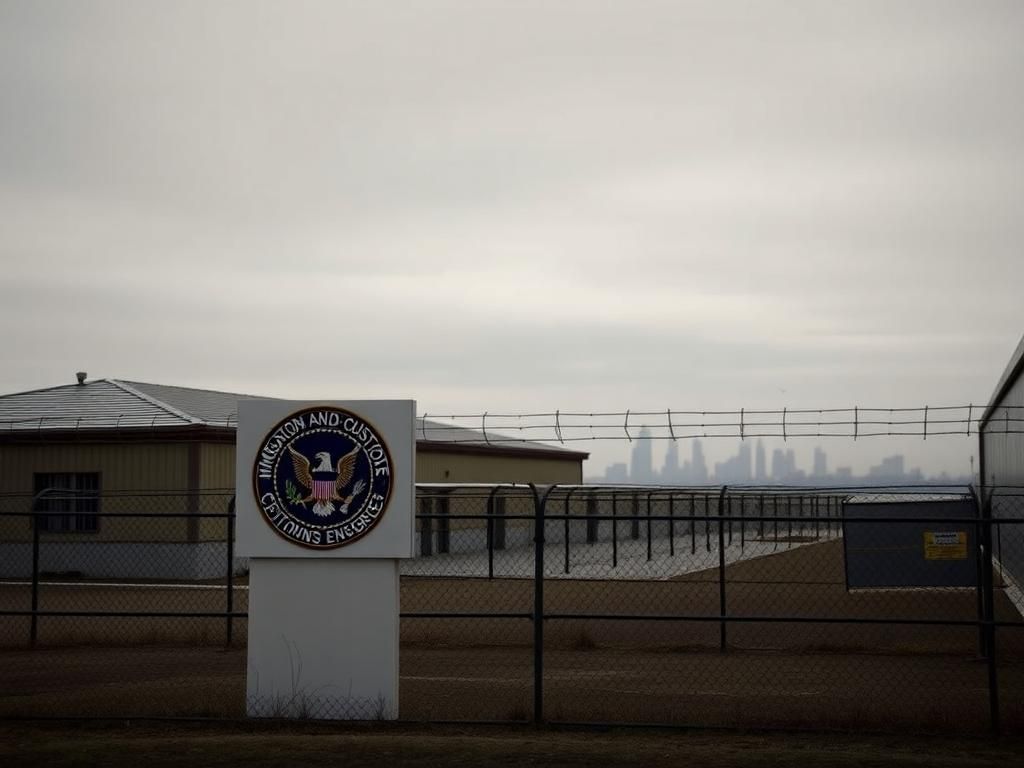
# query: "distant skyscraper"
[[820, 462], [778, 465], [735, 469], [891, 468], [894, 464], [760, 474], [617, 473], [670, 470], [698, 468], [641, 467], [743, 474]]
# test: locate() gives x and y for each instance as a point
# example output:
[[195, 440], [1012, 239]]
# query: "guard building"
[[108, 441]]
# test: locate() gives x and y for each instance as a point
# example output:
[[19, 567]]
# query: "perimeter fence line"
[[574, 575], [574, 425], [668, 424]]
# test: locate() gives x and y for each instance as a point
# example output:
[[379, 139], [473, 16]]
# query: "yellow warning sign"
[[945, 545]]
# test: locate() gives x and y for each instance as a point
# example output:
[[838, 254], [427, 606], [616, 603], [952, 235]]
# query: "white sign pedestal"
[[324, 508], [323, 639]]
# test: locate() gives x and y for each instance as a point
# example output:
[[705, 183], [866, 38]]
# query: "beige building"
[[120, 446]]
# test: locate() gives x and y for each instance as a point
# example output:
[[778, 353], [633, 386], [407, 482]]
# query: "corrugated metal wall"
[[128, 467], [218, 466], [217, 472], [1003, 447], [1004, 453]]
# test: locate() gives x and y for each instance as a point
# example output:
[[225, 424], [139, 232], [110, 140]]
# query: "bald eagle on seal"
[[325, 482]]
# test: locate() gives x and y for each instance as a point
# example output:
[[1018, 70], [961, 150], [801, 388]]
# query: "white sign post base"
[[323, 639]]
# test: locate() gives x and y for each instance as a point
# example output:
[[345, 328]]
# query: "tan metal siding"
[[129, 467], [217, 472], [218, 466], [134, 467]]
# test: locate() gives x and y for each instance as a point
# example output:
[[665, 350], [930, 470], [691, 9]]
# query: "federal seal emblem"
[[322, 477]]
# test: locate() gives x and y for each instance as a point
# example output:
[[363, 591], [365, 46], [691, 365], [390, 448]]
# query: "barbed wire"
[[561, 427], [854, 422]]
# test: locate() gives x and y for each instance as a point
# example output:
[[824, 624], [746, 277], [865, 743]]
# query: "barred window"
[[81, 503]]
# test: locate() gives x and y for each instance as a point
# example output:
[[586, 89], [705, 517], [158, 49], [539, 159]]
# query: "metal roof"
[[210, 407], [112, 404], [99, 404], [115, 404]]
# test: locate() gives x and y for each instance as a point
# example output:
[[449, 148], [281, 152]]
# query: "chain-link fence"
[[110, 604], [1004, 584], [807, 607]]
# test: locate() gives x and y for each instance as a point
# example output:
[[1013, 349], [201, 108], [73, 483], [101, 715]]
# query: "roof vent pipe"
[[81, 377]]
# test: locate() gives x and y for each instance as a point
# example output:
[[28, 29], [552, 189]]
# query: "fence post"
[[693, 524], [568, 500], [615, 529], [593, 521], [743, 523], [490, 532], [721, 572], [728, 507], [989, 625], [789, 514], [999, 548], [444, 530], [426, 504], [33, 633], [775, 514], [649, 525], [979, 539], [499, 522], [707, 522], [538, 602], [671, 525], [230, 603]]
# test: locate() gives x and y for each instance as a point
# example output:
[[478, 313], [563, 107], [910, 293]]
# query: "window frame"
[[79, 509]]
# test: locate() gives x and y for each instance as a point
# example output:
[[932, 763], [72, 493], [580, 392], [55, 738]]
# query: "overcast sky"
[[518, 206]]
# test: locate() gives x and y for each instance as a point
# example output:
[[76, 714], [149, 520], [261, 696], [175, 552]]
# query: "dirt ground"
[[261, 746], [804, 582], [877, 676], [932, 693]]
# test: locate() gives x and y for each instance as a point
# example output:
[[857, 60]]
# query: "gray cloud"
[[517, 205]]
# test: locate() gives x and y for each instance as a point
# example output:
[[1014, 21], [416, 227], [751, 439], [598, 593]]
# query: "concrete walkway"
[[595, 560]]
